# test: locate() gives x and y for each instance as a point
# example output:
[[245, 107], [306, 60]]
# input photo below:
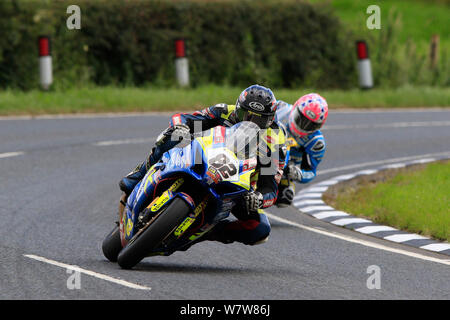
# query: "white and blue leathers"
[[311, 149]]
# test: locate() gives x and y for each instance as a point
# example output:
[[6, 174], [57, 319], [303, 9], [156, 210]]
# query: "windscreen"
[[242, 139]]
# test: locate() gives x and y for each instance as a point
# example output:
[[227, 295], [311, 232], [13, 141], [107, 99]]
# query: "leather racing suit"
[[306, 156]]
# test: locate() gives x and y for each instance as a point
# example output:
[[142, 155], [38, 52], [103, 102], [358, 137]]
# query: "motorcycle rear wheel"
[[155, 233]]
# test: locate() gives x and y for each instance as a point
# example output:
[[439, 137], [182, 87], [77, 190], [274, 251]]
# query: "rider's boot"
[[219, 233], [215, 234], [128, 183], [163, 144]]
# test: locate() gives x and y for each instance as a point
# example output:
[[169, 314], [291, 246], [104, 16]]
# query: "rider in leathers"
[[256, 104], [302, 121]]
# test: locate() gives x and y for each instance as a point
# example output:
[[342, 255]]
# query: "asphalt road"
[[59, 198]]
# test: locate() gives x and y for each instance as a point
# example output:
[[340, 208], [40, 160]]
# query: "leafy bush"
[[286, 44]]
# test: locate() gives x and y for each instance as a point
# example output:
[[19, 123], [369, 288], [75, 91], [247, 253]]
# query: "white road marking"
[[393, 110], [317, 208], [327, 182], [308, 195], [437, 247], [328, 214], [389, 125], [366, 172], [379, 162], [359, 241], [346, 221], [315, 189], [423, 160], [169, 113], [394, 166], [345, 177], [373, 229], [11, 154], [404, 237], [88, 272], [303, 202], [123, 141], [89, 115]]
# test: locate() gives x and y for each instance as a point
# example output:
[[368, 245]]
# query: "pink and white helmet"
[[308, 115]]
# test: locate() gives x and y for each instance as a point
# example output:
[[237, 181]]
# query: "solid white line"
[[394, 166], [169, 113], [423, 160], [359, 241], [366, 172], [123, 141], [88, 272], [404, 237], [11, 154], [89, 115], [373, 163], [384, 110]]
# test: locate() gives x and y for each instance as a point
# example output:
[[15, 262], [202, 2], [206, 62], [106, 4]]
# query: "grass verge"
[[420, 18], [415, 199], [113, 99]]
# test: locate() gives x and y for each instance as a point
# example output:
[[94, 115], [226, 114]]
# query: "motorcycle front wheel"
[[112, 245], [154, 234]]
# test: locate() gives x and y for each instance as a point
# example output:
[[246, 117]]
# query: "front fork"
[[122, 204]]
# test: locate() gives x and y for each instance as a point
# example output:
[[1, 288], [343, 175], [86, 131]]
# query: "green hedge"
[[287, 44]]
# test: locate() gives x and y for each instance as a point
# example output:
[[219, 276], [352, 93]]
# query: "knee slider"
[[260, 234]]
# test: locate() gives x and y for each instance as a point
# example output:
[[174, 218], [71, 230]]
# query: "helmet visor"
[[302, 123], [263, 121]]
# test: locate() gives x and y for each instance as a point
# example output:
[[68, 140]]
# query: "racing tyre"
[[112, 245], [155, 233]]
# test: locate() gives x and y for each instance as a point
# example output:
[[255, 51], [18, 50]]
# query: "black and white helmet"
[[256, 104]]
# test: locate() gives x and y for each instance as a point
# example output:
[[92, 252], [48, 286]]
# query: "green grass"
[[112, 99], [416, 201], [419, 19]]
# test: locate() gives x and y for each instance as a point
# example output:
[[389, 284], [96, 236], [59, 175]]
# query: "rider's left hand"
[[294, 173], [254, 201]]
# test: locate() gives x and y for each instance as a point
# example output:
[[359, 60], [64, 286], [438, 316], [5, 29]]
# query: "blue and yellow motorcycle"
[[185, 194]]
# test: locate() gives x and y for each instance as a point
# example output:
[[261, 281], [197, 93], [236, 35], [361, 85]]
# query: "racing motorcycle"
[[185, 194]]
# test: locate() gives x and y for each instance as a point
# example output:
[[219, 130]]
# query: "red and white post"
[[45, 63], [181, 63], [364, 66]]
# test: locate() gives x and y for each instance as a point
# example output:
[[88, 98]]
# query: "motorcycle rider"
[[302, 121], [258, 105]]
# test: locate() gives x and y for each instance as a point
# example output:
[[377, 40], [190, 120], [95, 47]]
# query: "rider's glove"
[[253, 200], [294, 173], [180, 132], [176, 133]]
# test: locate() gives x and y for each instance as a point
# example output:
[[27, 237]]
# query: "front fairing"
[[227, 168]]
